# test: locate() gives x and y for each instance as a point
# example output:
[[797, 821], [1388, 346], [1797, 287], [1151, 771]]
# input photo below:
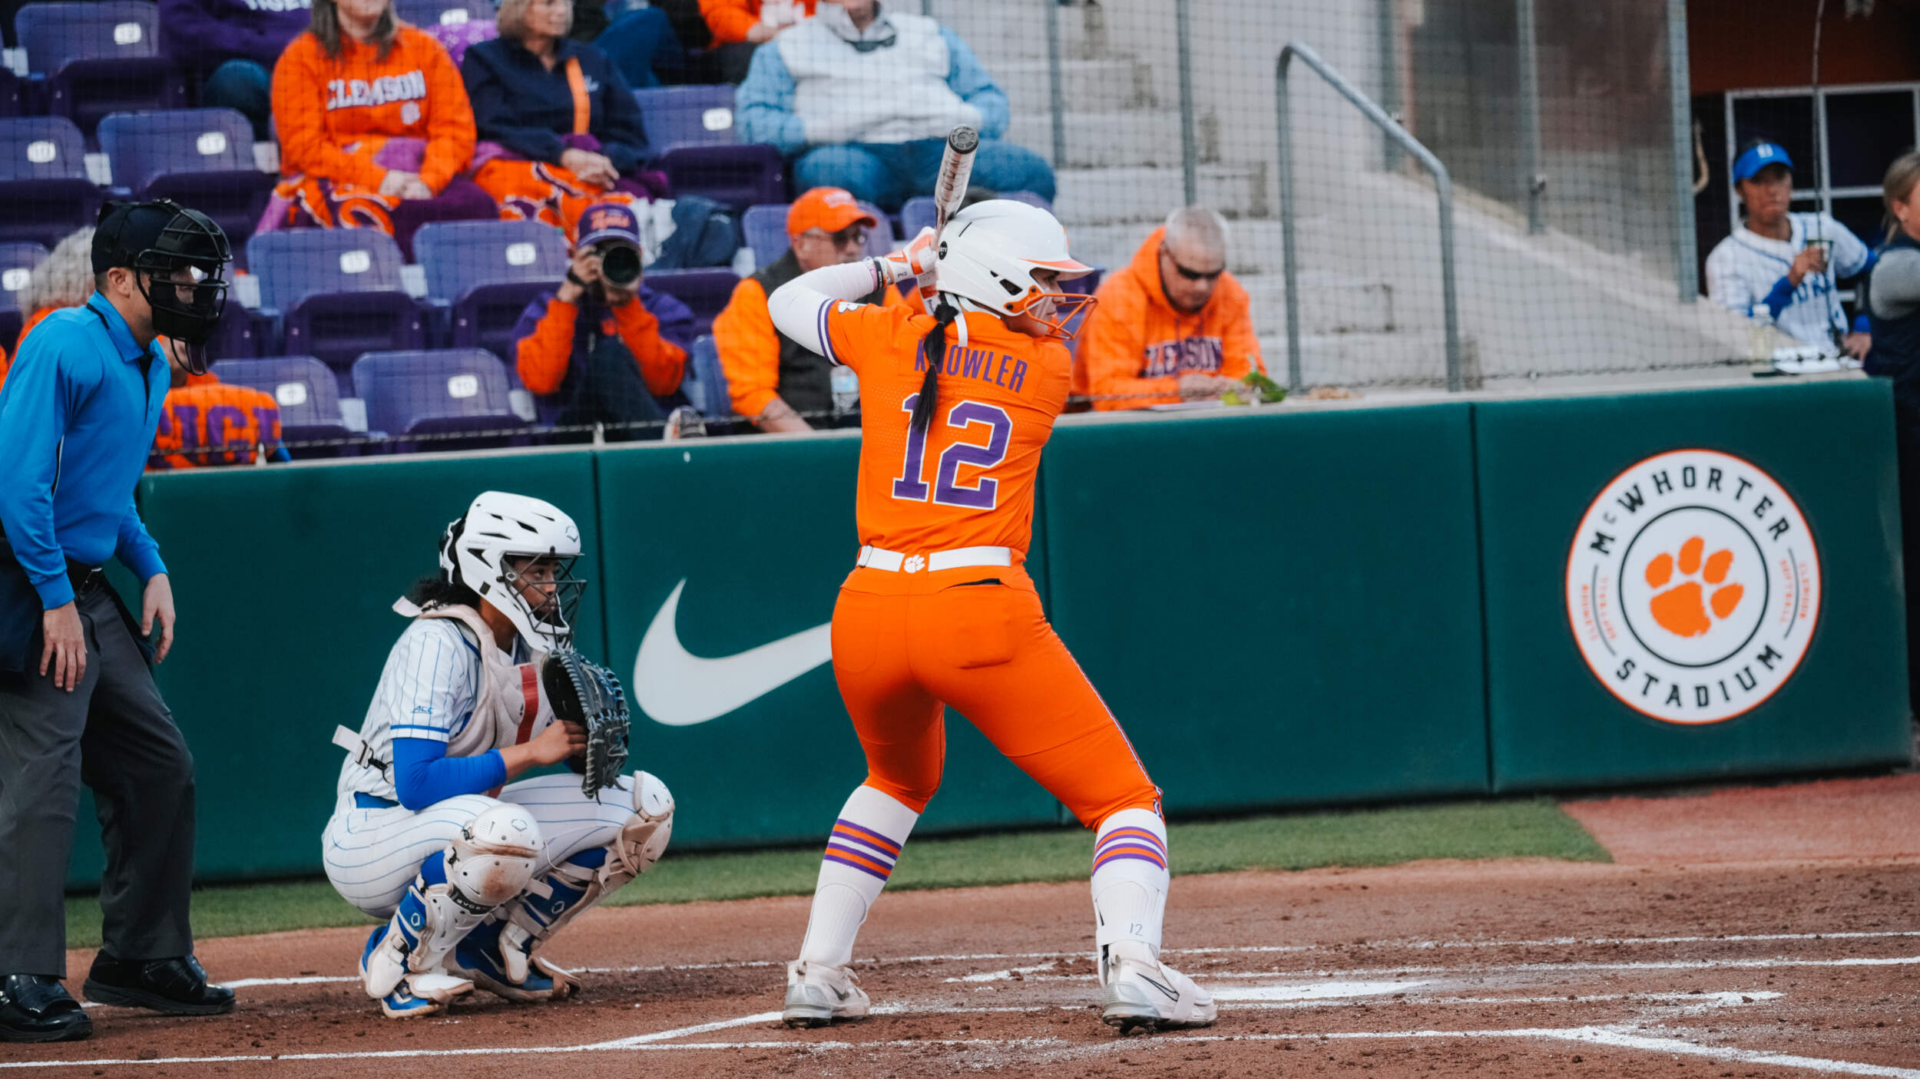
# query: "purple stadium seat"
[[880, 239], [705, 291], [687, 115], [429, 13], [487, 272], [99, 58], [766, 229], [705, 383], [442, 391], [202, 158], [44, 190], [918, 213], [239, 335], [10, 97], [304, 388], [339, 291], [734, 176], [17, 261]]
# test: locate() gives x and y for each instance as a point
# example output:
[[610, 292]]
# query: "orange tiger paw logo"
[[1682, 609]]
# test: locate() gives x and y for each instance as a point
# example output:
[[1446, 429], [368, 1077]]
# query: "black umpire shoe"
[[36, 1008], [174, 986]]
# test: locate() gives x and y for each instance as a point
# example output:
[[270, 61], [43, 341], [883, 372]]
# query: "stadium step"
[[1253, 246], [1330, 303], [1002, 31], [1115, 84], [1105, 139], [1106, 196]]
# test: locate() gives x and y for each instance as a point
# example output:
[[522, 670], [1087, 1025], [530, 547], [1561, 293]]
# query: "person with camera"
[[603, 347]]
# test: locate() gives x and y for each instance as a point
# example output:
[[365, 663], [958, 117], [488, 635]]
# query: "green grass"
[[1510, 829]]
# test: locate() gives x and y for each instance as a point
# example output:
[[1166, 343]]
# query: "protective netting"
[[402, 286]]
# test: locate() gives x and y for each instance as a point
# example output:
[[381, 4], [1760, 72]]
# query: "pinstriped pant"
[[371, 855]]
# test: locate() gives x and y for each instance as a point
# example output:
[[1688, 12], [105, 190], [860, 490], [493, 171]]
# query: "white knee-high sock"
[[1129, 886], [866, 841]]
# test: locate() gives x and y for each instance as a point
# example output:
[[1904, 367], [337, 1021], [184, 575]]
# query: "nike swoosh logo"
[[679, 689], [1168, 990]]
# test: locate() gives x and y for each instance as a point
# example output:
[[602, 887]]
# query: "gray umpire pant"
[[113, 733]]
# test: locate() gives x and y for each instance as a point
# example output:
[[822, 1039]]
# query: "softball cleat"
[[818, 994], [1142, 993], [423, 994]]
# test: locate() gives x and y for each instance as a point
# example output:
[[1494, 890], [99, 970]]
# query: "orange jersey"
[[334, 113], [208, 423], [968, 480]]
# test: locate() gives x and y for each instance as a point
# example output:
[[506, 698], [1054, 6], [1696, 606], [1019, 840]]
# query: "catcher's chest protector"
[[510, 707]]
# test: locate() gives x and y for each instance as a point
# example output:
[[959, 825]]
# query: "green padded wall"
[[1829, 445], [1282, 608]]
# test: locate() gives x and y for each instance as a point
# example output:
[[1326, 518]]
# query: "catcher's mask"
[[179, 257], [518, 554]]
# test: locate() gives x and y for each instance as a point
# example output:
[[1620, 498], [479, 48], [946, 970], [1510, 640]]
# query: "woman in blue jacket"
[[559, 128]]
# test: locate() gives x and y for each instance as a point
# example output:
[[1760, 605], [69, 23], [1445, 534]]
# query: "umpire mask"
[[179, 257]]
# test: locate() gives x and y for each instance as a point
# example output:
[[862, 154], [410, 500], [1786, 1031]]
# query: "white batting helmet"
[[989, 253], [488, 548]]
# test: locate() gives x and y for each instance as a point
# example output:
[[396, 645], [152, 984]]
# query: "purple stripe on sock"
[[1118, 855], [861, 866], [883, 842], [1133, 833], [864, 845]]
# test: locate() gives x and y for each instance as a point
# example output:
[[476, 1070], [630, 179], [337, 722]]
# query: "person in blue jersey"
[[431, 832], [77, 699]]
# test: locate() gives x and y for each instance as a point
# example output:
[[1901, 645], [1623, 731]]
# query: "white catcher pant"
[[372, 855]]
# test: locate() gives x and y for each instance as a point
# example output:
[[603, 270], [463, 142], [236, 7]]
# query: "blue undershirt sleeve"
[[423, 773], [1780, 296]]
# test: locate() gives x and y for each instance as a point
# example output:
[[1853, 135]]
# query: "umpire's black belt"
[[85, 578]]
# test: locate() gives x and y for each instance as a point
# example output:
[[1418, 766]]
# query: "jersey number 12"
[[947, 490]]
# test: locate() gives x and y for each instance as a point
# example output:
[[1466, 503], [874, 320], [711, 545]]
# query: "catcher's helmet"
[[480, 549]]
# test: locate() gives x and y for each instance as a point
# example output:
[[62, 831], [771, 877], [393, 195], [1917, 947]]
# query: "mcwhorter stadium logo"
[[1693, 586]]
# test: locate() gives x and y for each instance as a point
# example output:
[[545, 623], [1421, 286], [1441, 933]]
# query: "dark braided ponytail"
[[934, 344]]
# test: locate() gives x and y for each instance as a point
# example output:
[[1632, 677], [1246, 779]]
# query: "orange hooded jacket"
[[1135, 343]]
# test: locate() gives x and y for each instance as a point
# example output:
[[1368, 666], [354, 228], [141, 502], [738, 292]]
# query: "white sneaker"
[[1139, 991], [818, 994], [423, 994]]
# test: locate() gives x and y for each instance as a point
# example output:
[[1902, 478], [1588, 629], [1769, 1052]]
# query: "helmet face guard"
[[1065, 308], [181, 275], [550, 619]]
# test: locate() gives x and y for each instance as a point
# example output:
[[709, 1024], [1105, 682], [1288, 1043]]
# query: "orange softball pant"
[[988, 651]]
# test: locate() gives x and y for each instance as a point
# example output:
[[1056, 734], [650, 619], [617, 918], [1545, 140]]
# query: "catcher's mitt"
[[588, 694]]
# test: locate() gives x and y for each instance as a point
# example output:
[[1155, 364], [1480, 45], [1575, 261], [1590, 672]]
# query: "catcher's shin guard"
[[580, 882], [489, 864]]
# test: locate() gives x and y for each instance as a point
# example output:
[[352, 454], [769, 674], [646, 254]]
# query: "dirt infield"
[[1496, 969]]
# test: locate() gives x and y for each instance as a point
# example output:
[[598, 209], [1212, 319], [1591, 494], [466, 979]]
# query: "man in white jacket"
[[864, 95]]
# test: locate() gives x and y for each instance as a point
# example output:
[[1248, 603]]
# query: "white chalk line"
[[1414, 945], [1508, 968], [666, 1040]]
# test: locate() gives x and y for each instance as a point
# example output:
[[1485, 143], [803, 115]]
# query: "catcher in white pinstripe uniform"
[[474, 872]]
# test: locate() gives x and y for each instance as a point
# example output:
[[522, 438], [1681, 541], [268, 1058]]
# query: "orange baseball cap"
[[828, 209]]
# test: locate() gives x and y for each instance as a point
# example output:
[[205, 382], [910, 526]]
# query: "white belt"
[[896, 562]]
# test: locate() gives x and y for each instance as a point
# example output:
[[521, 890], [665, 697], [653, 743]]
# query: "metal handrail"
[[1442, 182]]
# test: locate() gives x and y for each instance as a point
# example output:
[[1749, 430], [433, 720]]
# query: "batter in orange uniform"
[[956, 409]]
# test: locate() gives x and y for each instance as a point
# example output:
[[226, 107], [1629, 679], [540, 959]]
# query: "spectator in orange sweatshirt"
[[741, 26], [599, 352], [207, 422], [1173, 325], [375, 127]]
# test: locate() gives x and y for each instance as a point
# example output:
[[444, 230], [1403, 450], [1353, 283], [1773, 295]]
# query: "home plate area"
[[1489, 969]]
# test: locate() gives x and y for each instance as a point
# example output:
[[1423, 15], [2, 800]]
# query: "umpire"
[[77, 700]]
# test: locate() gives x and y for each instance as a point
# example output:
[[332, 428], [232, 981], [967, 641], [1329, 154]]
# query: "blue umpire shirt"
[[77, 419]]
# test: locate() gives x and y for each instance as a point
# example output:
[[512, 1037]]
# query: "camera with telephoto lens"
[[619, 263]]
